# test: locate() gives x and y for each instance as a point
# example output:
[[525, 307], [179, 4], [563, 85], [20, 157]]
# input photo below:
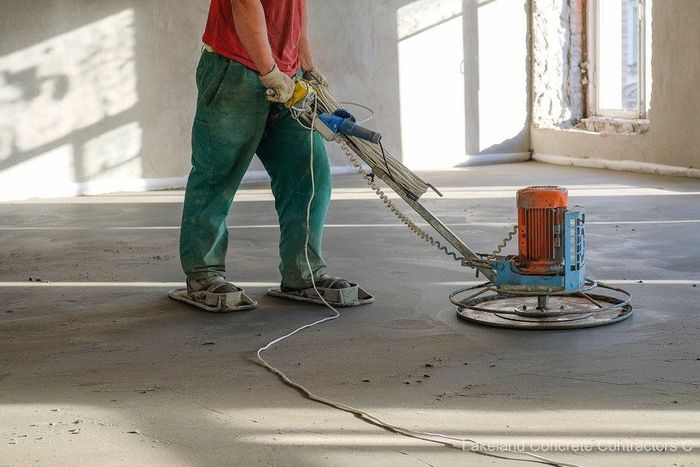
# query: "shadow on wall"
[[464, 80], [67, 110], [95, 97]]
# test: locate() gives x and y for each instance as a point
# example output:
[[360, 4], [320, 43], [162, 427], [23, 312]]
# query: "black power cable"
[[386, 164]]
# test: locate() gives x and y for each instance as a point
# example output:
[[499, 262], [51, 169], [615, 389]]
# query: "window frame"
[[593, 48]]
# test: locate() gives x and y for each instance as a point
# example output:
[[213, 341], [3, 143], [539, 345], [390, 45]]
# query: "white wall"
[[95, 96], [99, 96]]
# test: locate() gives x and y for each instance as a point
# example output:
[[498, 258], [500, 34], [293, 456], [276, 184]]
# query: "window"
[[619, 53]]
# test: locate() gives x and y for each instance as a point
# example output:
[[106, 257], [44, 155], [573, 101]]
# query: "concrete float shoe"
[[335, 291], [214, 294]]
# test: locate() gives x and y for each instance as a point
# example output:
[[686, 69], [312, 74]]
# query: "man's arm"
[[249, 19], [305, 56]]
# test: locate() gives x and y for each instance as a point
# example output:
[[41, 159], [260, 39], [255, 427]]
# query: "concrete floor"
[[94, 370]]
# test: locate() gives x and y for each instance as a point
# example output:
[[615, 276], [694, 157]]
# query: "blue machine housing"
[[344, 123], [573, 276]]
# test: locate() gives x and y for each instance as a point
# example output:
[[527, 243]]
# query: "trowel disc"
[[564, 311]]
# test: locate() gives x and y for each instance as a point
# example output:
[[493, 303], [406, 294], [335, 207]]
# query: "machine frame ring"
[[617, 309]]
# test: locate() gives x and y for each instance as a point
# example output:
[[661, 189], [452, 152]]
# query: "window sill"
[[611, 125]]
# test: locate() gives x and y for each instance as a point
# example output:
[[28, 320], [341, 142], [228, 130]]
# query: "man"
[[251, 47]]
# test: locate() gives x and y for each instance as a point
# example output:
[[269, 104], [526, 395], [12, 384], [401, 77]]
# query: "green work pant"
[[233, 122]]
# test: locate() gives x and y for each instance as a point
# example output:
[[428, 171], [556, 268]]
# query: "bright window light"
[[621, 35]]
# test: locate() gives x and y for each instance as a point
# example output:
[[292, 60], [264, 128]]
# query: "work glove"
[[280, 87], [316, 76]]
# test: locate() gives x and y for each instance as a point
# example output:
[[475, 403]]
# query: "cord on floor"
[[463, 444]]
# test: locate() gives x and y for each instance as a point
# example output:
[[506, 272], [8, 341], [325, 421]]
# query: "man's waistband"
[[210, 49]]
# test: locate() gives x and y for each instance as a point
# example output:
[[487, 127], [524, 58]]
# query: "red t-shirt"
[[284, 22]]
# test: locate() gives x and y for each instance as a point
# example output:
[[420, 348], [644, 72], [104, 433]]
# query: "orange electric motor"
[[541, 213]]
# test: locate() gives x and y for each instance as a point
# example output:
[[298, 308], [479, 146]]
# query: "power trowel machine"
[[543, 287]]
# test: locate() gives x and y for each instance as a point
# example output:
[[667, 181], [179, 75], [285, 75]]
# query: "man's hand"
[[281, 85], [315, 76]]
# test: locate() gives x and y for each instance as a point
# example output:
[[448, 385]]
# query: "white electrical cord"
[[463, 444], [371, 111]]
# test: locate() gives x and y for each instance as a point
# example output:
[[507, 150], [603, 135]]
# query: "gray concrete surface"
[[142, 380]]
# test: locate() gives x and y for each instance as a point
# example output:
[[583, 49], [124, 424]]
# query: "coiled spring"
[[422, 234], [504, 242]]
